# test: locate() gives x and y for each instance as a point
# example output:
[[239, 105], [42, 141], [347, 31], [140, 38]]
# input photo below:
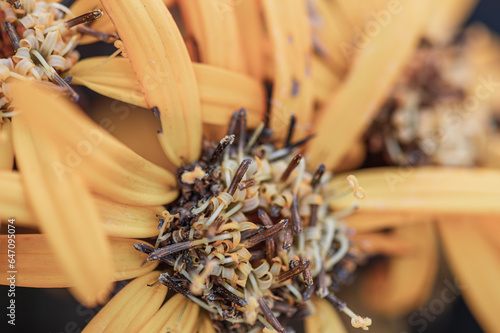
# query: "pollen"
[[251, 237]]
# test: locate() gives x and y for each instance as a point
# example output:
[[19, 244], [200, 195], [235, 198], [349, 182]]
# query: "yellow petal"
[[179, 314], [111, 168], [252, 36], [13, 202], [382, 243], [205, 324], [426, 190], [325, 81], [372, 220], [212, 26], [131, 308], [475, 263], [325, 319], [377, 66], [65, 212], [6, 149], [290, 34], [119, 220], [221, 91], [406, 282], [446, 18], [159, 57], [37, 265]]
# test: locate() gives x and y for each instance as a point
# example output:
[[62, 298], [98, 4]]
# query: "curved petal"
[[119, 220], [250, 24], [406, 282], [475, 263], [325, 319], [221, 91], [212, 26], [66, 213], [160, 59], [111, 168], [179, 314], [131, 308], [377, 66], [372, 220], [426, 190], [290, 34], [6, 149], [37, 263]]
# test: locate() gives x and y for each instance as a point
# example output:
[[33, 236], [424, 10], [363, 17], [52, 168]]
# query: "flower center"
[[251, 236], [38, 43]]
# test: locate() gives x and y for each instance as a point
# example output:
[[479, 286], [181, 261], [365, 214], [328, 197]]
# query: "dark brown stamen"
[[276, 210], [317, 176], [291, 166], [242, 132], [167, 280], [308, 280], [296, 270], [288, 239], [226, 141], [257, 255], [337, 303], [271, 318], [100, 35], [169, 249], [84, 18], [314, 215], [291, 128], [242, 169], [247, 184], [233, 123], [286, 309], [148, 249], [265, 234], [308, 292], [266, 220], [11, 32], [15, 3], [250, 233], [212, 229], [270, 242], [296, 219], [229, 295], [66, 87]]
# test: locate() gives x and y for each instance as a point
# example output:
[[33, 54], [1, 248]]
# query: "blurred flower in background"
[[389, 80]]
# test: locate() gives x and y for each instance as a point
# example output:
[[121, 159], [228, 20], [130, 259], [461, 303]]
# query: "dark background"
[[55, 311]]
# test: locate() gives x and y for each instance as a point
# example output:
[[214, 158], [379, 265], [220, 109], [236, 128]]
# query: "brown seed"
[[242, 169], [271, 318], [294, 271], [11, 32], [291, 166], [84, 18], [265, 234]]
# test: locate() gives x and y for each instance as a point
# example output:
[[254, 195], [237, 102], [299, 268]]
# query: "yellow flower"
[[188, 96]]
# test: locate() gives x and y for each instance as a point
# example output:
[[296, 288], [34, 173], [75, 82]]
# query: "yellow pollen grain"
[[189, 177]]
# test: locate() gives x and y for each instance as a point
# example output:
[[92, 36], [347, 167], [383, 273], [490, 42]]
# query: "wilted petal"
[[404, 283], [65, 212], [426, 191], [110, 168], [475, 262], [6, 149], [38, 267], [326, 319], [291, 54], [179, 314], [378, 64], [212, 26], [160, 59], [132, 307]]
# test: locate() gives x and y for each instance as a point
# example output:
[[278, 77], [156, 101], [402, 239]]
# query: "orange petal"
[[406, 282], [325, 319], [6, 149], [377, 66], [160, 59], [119, 220], [132, 307], [65, 212], [475, 263], [426, 190], [290, 35], [179, 314], [381, 243], [212, 26], [447, 16], [250, 24], [372, 220], [85, 147], [37, 263]]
